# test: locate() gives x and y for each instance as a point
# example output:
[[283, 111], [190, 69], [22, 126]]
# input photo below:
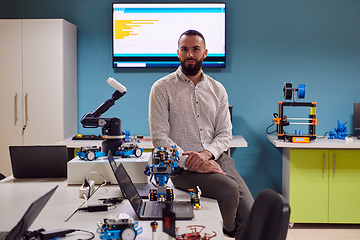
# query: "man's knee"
[[224, 190], [229, 193]]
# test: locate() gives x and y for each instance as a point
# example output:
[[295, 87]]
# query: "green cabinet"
[[324, 186]]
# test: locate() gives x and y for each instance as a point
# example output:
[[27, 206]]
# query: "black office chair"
[[2, 176], [268, 218]]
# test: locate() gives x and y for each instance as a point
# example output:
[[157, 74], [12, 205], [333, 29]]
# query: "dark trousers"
[[230, 191]]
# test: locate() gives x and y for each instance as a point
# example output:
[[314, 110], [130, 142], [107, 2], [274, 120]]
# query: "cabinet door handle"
[[16, 117], [26, 109], [26, 112], [334, 162], [324, 163]]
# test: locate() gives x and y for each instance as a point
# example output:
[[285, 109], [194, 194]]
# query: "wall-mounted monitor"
[[146, 34], [356, 116]]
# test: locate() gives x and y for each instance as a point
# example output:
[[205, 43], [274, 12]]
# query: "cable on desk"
[[317, 137], [103, 184], [85, 200], [93, 172], [54, 234], [81, 230]]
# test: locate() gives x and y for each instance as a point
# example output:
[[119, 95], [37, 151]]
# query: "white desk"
[[146, 143], [17, 195], [78, 169], [317, 143]]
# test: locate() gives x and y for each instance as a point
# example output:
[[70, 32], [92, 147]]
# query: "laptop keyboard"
[[157, 211]]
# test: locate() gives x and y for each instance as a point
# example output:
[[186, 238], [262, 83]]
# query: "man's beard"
[[191, 70]]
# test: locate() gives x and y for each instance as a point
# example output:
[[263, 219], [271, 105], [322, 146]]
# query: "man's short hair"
[[192, 33]]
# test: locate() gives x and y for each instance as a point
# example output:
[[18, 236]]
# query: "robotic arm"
[[110, 126]]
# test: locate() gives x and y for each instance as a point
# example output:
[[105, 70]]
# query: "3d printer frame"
[[282, 121]]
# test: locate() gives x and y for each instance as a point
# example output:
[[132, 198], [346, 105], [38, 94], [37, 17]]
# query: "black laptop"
[[28, 218], [142, 188], [150, 210], [47, 161]]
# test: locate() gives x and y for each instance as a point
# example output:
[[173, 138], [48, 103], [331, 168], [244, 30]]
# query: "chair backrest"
[[2, 176], [268, 218]]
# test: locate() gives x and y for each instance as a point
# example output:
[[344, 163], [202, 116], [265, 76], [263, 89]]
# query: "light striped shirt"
[[193, 118]]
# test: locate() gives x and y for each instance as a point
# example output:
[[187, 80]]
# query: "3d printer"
[[281, 120]]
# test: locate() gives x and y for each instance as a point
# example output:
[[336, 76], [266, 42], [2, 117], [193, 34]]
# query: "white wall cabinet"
[[38, 77]]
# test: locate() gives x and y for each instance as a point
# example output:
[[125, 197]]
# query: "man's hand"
[[199, 162], [195, 159], [210, 166]]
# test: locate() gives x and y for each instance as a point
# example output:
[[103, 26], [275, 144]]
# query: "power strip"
[[87, 189]]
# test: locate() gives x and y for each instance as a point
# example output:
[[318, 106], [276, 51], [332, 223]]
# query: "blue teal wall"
[[268, 42]]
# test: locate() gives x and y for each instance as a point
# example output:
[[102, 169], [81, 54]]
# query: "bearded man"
[[189, 109]]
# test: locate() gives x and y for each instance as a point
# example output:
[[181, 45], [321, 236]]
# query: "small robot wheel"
[[128, 234], [169, 194], [90, 155], [153, 195], [138, 152]]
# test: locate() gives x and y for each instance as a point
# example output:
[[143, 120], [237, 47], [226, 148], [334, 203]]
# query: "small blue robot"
[[166, 163], [127, 148], [119, 227], [340, 132], [89, 153]]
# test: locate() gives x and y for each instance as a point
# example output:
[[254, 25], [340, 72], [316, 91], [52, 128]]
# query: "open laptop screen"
[[29, 217], [112, 161], [128, 187], [47, 161]]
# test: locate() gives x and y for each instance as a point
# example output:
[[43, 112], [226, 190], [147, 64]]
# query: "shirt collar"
[[183, 77]]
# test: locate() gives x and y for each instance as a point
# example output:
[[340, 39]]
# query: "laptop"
[[142, 188], [48, 161], [150, 210], [28, 218]]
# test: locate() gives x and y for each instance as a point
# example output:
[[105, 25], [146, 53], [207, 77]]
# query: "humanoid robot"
[[166, 162]]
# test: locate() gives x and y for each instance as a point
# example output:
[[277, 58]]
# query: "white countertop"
[[146, 143], [352, 143], [21, 192]]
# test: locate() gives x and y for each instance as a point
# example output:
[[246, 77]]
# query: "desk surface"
[[326, 143], [17, 195], [237, 141]]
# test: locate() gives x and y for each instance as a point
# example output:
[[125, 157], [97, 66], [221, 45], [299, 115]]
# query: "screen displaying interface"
[[356, 116], [146, 35]]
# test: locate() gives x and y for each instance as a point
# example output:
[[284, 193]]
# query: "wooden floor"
[[322, 232]]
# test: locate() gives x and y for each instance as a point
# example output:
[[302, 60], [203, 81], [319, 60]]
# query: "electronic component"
[[195, 197], [87, 188], [94, 208], [87, 137], [55, 234], [113, 200]]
